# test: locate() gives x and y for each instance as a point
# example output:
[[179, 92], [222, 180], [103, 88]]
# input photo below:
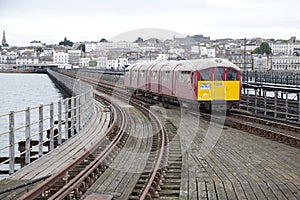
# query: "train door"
[[194, 78], [205, 85], [219, 86], [233, 85]]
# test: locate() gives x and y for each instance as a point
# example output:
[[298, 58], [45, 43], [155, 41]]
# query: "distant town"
[[250, 54]]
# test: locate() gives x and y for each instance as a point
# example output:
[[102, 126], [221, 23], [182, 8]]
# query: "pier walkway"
[[60, 157]]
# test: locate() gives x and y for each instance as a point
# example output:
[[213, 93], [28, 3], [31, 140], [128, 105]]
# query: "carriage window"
[[232, 75], [154, 75], [134, 74], [205, 75], [142, 74], [165, 75], [219, 74], [185, 76]]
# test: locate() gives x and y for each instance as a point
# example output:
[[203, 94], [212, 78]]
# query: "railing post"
[[66, 119], [275, 104], [77, 112], [255, 101], [51, 127], [72, 116], [27, 135], [59, 122], [265, 102], [248, 100], [286, 105], [11, 142], [41, 131], [298, 107]]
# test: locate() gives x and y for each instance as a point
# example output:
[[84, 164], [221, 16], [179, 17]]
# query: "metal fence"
[[40, 129], [276, 77], [276, 104]]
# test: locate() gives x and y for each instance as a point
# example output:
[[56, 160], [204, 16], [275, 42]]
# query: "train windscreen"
[[205, 75], [232, 75]]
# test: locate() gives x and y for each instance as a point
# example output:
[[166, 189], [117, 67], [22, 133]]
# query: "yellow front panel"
[[218, 90], [233, 90], [204, 90]]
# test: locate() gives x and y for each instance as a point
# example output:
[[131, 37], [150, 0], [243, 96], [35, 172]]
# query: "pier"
[[104, 144]]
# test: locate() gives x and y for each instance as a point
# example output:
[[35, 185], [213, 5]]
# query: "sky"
[[91, 20]]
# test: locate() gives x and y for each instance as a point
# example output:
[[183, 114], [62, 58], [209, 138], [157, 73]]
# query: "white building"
[[3, 59], [27, 60], [90, 46], [84, 62], [291, 63], [61, 58], [285, 47], [102, 62]]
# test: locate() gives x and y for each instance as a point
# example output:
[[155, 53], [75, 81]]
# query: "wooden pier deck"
[[234, 164], [59, 157]]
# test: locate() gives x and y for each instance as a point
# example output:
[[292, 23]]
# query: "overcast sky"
[[91, 20]]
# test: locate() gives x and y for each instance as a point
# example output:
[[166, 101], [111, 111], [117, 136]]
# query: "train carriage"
[[166, 80], [203, 81]]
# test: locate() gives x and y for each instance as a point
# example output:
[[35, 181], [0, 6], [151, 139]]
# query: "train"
[[211, 83]]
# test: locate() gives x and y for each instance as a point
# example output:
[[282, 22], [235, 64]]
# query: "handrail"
[[66, 117]]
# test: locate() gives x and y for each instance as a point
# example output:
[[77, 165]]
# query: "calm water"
[[18, 91]]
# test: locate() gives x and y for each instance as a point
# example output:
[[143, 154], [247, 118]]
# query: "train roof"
[[185, 65]]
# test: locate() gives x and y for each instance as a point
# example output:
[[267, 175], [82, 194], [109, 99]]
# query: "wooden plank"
[[183, 195], [192, 190]]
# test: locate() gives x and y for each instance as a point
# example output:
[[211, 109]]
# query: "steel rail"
[[251, 124], [150, 187], [77, 181], [40, 188]]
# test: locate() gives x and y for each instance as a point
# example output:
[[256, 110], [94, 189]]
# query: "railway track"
[[284, 132], [74, 179]]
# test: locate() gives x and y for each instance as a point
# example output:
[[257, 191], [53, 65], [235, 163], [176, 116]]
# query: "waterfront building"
[[61, 57], [291, 63], [26, 60], [285, 47]]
